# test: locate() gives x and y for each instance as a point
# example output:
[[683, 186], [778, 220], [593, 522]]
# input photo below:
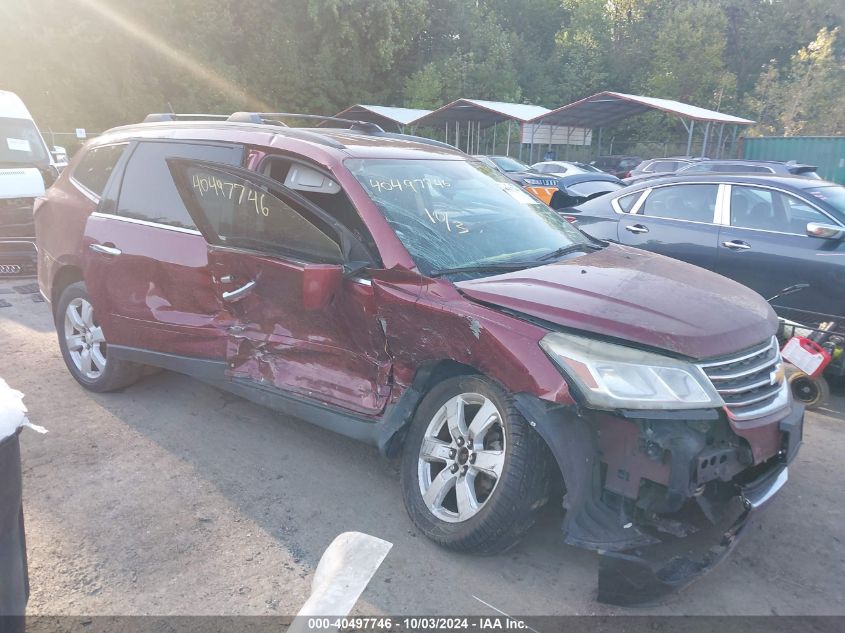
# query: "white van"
[[26, 166]]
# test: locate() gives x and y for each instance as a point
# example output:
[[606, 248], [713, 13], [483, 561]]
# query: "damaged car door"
[[287, 272]]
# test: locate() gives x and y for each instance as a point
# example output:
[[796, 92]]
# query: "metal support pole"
[[494, 138], [689, 137], [598, 150], [478, 142], [719, 149], [531, 149], [446, 140], [704, 144], [508, 146]]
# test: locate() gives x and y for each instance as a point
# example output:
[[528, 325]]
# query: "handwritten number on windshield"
[[441, 217]]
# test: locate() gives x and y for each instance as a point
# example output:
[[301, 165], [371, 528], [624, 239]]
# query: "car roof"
[[794, 182], [340, 142]]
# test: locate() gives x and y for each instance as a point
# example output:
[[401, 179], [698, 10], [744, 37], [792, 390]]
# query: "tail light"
[[571, 219]]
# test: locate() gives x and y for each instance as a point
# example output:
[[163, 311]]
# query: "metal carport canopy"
[[606, 108], [486, 113], [382, 115]]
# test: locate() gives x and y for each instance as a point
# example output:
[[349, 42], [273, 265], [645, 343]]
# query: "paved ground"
[[174, 498]]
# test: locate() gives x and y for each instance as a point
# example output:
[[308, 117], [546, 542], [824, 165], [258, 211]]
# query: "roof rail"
[[274, 117], [158, 117]]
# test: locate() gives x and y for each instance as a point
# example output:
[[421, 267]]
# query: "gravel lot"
[[171, 497]]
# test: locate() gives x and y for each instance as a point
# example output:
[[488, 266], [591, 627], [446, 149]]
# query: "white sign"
[[80, 133], [18, 144], [558, 134]]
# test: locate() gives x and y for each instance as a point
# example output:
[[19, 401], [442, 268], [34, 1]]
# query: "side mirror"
[[320, 282], [825, 231]]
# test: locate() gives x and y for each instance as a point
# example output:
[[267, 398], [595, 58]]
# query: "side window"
[[239, 213], [768, 210], [800, 214], [93, 169], [694, 203], [664, 166], [626, 203], [333, 200], [148, 192]]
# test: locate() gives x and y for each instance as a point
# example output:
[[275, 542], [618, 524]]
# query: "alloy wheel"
[[462, 457], [86, 344]]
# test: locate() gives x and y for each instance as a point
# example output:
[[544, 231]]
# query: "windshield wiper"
[[482, 268], [565, 250]]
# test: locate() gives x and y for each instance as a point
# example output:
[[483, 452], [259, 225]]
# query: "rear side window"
[[148, 191], [93, 169], [626, 203], [694, 203]]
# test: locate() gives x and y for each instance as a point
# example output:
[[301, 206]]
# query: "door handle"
[[239, 293], [636, 228], [736, 245], [103, 249]]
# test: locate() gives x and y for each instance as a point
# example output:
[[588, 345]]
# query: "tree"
[[807, 97]]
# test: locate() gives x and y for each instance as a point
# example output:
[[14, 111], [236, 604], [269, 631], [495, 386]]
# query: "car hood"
[[637, 296], [21, 182]]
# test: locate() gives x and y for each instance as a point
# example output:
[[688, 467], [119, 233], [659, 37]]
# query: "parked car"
[[619, 166], [576, 189], [540, 185], [394, 290], [779, 168], [26, 164], [563, 168], [764, 232], [658, 167]]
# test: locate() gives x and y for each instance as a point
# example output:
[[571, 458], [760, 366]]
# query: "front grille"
[[751, 383]]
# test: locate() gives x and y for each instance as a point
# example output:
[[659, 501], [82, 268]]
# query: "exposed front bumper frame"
[[636, 568]]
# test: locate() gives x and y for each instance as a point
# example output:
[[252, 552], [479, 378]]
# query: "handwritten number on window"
[[211, 185]]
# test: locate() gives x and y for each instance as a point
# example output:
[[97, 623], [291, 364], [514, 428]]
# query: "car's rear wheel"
[[474, 474], [84, 346]]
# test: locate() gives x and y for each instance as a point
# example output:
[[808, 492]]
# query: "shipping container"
[[825, 152]]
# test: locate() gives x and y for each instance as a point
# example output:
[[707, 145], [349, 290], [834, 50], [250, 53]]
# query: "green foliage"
[[99, 63], [806, 97]]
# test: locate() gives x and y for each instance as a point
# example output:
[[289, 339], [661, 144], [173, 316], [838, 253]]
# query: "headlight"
[[615, 377]]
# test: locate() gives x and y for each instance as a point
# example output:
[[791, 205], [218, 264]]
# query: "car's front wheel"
[[474, 474], [84, 347]]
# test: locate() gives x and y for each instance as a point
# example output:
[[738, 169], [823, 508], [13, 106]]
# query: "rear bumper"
[[18, 257], [680, 520]]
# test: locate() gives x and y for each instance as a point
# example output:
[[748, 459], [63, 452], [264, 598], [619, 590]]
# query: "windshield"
[[21, 143], [458, 213], [833, 195], [508, 164]]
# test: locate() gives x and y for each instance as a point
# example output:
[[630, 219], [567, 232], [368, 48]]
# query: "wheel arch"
[[65, 276], [427, 375]]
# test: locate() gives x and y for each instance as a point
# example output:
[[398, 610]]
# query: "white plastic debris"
[[13, 412], [344, 571]]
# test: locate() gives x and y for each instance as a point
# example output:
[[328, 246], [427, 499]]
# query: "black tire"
[[811, 392], [116, 374], [521, 490]]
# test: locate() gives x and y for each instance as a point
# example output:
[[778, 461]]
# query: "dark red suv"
[[395, 290]]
